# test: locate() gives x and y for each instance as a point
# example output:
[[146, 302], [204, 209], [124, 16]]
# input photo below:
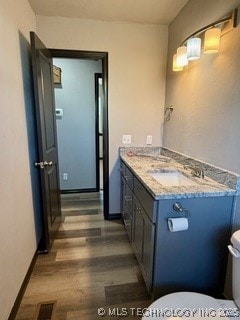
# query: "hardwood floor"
[[90, 266]]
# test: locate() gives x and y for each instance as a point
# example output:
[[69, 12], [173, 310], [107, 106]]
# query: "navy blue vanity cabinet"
[[191, 260], [194, 259], [127, 198]]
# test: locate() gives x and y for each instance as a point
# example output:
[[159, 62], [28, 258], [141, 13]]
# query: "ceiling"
[[140, 11]]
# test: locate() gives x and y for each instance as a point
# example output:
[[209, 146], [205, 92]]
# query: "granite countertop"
[[142, 165]]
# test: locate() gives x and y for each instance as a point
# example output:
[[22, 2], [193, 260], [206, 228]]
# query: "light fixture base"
[[232, 23]]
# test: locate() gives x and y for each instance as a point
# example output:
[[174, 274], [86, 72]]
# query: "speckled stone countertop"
[[143, 161]]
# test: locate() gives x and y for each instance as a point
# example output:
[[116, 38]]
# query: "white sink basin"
[[174, 178]]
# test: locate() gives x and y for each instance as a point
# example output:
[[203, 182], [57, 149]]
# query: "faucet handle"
[[201, 174], [195, 171]]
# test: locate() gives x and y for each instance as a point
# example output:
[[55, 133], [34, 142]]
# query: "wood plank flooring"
[[90, 266]]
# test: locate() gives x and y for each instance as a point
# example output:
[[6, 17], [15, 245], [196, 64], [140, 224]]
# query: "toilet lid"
[[185, 305]]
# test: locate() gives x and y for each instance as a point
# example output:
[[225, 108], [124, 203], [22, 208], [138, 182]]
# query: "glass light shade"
[[212, 40], [182, 59], [176, 67], [193, 48]]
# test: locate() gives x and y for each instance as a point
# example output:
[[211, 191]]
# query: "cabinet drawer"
[[127, 218], [127, 196], [146, 200], [129, 177], [127, 174]]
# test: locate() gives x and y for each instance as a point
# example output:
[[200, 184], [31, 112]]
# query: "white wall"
[[206, 95], [76, 129], [137, 59], [17, 230]]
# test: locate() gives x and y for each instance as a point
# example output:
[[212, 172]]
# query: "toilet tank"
[[235, 251]]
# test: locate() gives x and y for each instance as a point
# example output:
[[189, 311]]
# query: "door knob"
[[47, 164], [44, 164], [39, 164]]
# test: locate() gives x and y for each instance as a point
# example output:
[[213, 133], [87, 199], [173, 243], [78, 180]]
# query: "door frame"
[[103, 56], [97, 76]]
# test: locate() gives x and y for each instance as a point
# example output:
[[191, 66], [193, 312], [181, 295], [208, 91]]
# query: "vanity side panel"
[[194, 259]]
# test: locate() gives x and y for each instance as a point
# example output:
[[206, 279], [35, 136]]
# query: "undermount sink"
[[172, 178]]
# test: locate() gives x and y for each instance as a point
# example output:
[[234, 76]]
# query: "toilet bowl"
[[191, 305]]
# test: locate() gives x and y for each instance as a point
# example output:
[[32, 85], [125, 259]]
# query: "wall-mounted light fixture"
[[210, 35]]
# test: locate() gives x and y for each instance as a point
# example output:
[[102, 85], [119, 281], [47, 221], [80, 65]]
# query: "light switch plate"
[[59, 113], [149, 140], [127, 139]]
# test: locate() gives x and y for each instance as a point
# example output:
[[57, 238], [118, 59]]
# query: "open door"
[[47, 140]]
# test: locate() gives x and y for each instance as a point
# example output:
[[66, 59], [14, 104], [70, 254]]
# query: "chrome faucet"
[[196, 172]]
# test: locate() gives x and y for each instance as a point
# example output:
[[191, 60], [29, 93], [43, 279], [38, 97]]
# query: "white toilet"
[[191, 305]]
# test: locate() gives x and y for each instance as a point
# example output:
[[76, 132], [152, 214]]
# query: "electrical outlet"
[[127, 139], [65, 176], [149, 139]]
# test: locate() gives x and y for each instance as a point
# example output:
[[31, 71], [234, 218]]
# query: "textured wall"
[[206, 95], [137, 59], [17, 229]]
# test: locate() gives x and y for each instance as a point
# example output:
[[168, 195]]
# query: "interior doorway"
[[82, 127], [77, 124]]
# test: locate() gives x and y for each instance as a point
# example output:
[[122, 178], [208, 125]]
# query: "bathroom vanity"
[[193, 259]]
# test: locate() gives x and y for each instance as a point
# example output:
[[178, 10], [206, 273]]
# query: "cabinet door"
[[143, 242], [148, 249]]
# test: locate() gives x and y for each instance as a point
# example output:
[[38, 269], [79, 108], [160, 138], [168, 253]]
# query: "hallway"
[[91, 265]]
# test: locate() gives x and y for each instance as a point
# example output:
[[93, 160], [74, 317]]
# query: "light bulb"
[[212, 40], [193, 48], [182, 56], [176, 67]]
